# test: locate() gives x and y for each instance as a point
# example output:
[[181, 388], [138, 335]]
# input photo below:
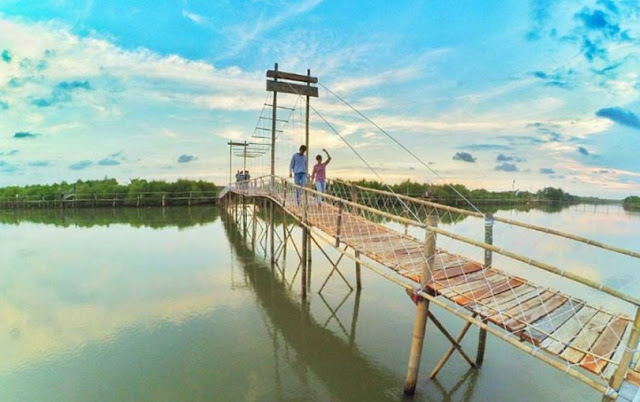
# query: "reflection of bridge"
[[396, 237]]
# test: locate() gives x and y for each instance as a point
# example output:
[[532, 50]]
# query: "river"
[[173, 305]]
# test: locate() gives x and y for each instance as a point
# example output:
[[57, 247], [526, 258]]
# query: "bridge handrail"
[[535, 263], [499, 219]]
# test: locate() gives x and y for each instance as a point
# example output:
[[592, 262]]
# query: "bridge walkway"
[[584, 338]]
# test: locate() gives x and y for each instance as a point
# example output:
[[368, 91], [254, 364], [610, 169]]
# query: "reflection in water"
[[101, 305], [180, 217], [346, 372], [468, 380]]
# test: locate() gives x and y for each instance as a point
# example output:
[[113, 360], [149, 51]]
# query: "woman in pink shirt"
[[320, 174]]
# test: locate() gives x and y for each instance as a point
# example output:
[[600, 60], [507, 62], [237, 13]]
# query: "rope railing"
[[465, 212], [264, 186], [371, 215]]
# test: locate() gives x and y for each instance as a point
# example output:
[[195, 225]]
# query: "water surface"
[[174, 305]]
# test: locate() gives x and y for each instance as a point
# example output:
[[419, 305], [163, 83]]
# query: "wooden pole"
[[272, 233], [488, 260], [422, 310], [305, 247], [631, 347], [338, 223], [274, 108], [358, 269]]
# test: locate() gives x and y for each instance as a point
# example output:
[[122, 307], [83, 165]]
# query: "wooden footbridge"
[[395, 236]]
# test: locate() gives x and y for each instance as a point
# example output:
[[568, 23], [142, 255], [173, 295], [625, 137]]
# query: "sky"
[[503, 95]]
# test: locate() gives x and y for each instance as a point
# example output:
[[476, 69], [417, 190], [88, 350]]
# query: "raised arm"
[[328, 157]]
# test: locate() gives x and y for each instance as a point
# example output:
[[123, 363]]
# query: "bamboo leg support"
[[454, 342], [419, 329], [449, 352]]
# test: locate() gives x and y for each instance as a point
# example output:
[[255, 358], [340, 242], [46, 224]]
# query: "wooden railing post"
[[305, 243], [627, 356], [488, 260], [339, 222], [422, 310], [284, 193]]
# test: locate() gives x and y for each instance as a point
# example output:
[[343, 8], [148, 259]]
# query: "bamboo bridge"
[[396, 237]]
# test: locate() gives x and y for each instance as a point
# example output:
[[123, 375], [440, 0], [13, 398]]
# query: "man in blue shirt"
[[298, 169]]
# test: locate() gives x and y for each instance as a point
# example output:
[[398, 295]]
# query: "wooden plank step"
[[449, 282], [586, 337], [567, 331], [525, 318], [633, 377], [617, 356], [487, 291], [505, 300], [605, 345], [457, 270], [470, 282], [550, 322], [502, 316]]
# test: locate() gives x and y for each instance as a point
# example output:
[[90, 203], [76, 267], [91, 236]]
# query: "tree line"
[[453, 193], [631, 203], [139, 192]]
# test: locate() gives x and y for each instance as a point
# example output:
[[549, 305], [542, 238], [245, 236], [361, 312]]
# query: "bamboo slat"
[[505, 300], [461, 279], [453, 271], [605, 345], [524, 318], [487, 290], [538, 331], [611, 368], [586, 337], [634, 378], [565, 333], [502, 316], [469, 285]]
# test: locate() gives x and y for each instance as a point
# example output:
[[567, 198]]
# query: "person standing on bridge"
[[319, 174], [298, 169]]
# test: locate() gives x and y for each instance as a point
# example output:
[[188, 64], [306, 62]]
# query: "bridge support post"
[[254, 223], [422, 310], [272, 233], [305, 246], [631, 348], [358, 279], [488, 260]]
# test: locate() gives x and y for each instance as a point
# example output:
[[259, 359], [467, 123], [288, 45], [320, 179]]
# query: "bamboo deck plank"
[[605, 345], [505, 300], [617, 356], [586, 337], [525, 318], [550, 322], [454, 271], [567, 331], [475, 283], [459, 280], [633, 377], [487, 291], [502, 316]]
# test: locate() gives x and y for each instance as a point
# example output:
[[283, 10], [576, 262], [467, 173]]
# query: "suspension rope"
[[399, 144]]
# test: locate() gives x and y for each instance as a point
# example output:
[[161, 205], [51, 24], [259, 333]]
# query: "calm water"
[[153, 305]]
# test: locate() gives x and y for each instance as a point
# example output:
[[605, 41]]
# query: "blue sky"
[[502, 95]]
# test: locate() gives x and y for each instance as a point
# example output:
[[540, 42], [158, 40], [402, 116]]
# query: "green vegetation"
[[631, 203], [453, 194], [91, 193], [155, 218]]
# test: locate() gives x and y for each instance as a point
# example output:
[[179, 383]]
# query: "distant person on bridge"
[[320, 174], [298, 168]]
